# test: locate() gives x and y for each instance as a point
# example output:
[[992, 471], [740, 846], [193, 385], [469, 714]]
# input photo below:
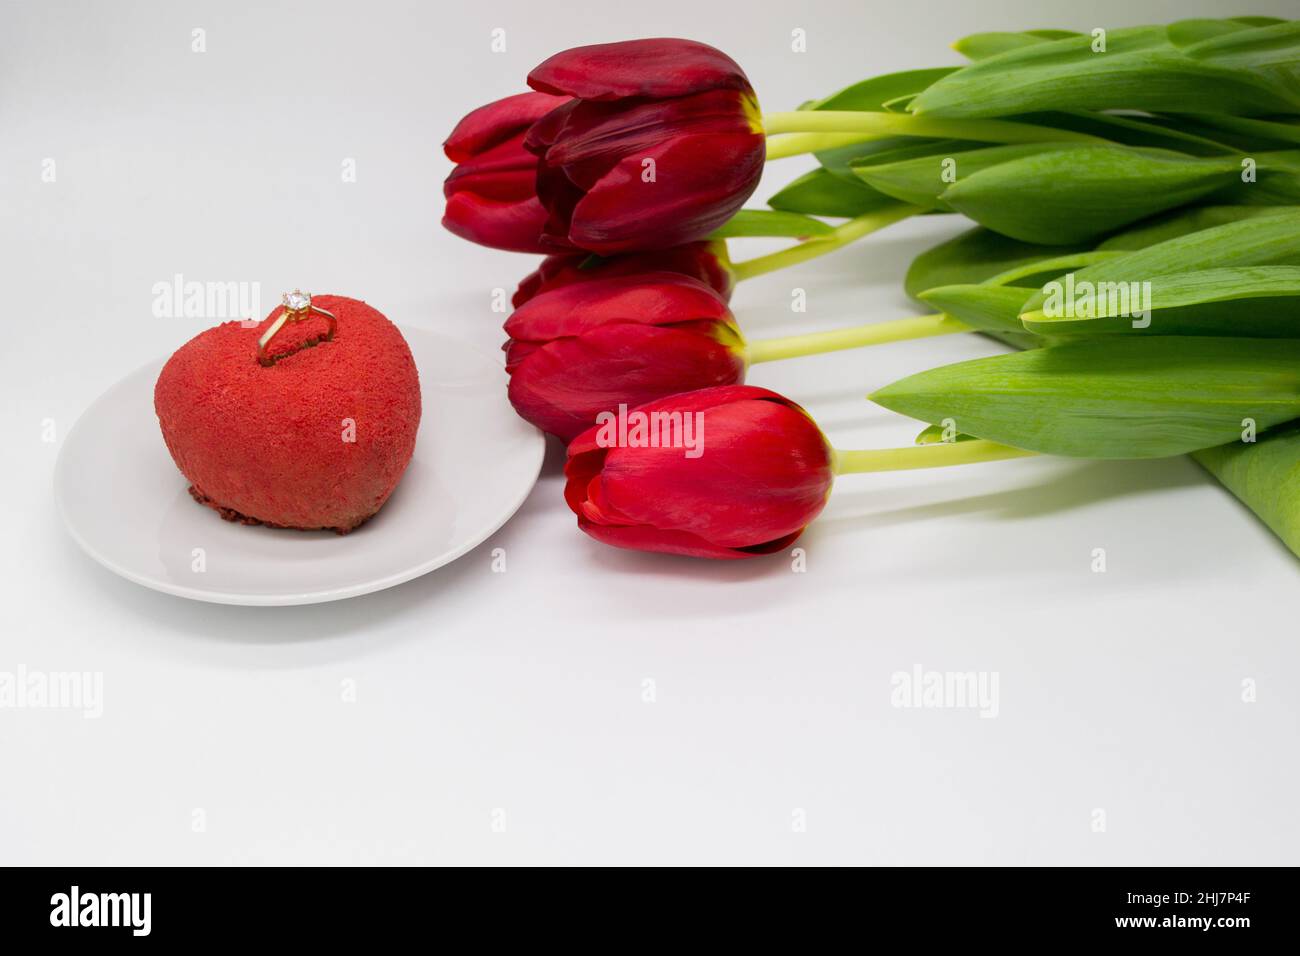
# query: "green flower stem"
[[875, 333], [934, 455], [797, 144], [842, 235], [909, 124]]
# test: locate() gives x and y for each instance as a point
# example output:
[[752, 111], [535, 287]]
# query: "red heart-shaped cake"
[[317, 438]]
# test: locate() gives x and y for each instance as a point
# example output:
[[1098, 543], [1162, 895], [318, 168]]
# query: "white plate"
[[127, 505]]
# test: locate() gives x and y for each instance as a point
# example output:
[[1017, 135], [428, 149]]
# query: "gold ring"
[[297, 306]]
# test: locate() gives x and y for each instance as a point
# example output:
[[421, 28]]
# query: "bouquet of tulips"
[[1137, 200]]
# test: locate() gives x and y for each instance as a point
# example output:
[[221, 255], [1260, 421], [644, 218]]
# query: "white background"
[[523, 691]]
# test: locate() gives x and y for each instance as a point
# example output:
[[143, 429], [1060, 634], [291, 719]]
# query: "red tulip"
[[589, 347], [492, 192], [763, 473], [706, 261], [661, 144]]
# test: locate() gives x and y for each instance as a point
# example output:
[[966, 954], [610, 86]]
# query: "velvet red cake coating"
[[318, 440]]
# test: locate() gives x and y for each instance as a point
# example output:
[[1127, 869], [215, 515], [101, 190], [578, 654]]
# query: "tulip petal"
[[653, 298], [644, 538], [535, 282], [506, 171], [652, 67], [596, 136], [705, 261], [497, 122], [699, 182], [562, 386], [558, 195], [699, 401], [492, 198], [578, 472], [514, 226], [764, 473]]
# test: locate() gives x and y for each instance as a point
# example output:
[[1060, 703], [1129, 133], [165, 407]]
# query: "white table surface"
[[501, 717]]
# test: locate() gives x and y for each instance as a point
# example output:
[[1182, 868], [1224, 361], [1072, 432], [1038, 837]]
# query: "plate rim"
[[300, 598]]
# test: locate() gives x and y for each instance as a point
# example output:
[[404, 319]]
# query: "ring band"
[[297, 307]]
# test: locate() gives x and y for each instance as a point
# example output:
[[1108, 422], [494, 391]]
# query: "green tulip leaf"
[[1272, 239], [989, 308], [874, 92], [979, 254], [875, 95], [972, 257], [981, 46], [1118, 397], [934, 435], [1237, 132], [843, 160], [1144, 131], [1181, 222], [770, 222], [820, 193], [1234, 67], [1256, 301], [1261, 48], [1265, 475], [1078, 194], [1190, 33], [922, 181]]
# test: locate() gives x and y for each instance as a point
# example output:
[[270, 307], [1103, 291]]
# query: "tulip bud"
[[764, 471], [661, 144], [706, 261], [492, 192], [589, 347]]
